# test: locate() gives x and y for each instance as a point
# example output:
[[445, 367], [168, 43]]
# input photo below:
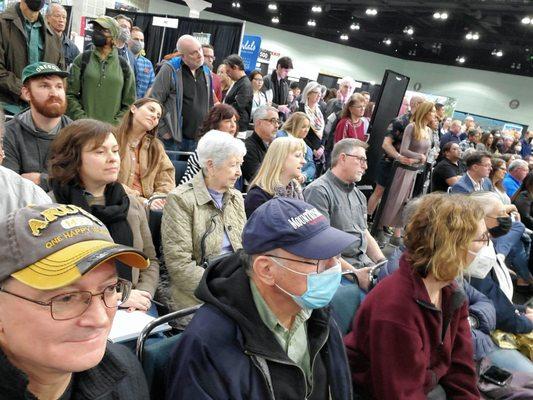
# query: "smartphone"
[[497, 376]]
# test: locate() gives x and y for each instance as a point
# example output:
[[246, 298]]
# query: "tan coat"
[[148, 278], [160, 180], [186, 218]]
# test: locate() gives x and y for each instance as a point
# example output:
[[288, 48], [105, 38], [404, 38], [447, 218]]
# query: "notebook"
[[128, 325]]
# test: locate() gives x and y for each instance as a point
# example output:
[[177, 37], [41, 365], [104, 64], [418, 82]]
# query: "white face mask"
[[482, 263]]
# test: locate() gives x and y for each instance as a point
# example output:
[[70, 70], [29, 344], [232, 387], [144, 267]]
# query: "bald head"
[[415, 101], [191, 51], [56, 16]]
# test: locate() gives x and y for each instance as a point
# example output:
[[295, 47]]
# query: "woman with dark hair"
[[221, 117], [84, 168], [485, 144], [499, 169], [411, 336], [259, 98], [352, 123], [145, 168], [523, 200]]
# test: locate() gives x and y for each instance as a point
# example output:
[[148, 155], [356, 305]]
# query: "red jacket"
[[397, 348]]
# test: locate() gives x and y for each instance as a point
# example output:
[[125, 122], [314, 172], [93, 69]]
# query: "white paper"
[[128, 325]]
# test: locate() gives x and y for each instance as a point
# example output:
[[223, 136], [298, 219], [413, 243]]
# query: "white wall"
[[479, 92]]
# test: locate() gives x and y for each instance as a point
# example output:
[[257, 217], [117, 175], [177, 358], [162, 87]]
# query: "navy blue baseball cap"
[[295, 226]]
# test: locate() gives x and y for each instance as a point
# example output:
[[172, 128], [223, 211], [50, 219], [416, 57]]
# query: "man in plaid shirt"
[[144, 70]]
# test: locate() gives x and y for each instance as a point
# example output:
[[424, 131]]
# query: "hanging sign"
[[250, 47]]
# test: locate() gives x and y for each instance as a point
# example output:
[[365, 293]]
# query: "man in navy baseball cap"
[[267, 304]]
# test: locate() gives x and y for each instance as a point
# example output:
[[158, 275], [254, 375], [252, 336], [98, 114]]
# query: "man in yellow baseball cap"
[[59, 292]]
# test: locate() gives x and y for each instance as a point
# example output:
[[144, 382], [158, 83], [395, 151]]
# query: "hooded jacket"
[[227, 352], [27, 147], [14, 53]]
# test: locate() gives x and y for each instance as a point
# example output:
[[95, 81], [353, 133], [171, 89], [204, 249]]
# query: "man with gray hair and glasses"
[[59, 292], [266, 125], [335, 195]]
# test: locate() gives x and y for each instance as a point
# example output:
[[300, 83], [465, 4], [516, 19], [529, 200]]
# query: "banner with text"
[[250, 51]]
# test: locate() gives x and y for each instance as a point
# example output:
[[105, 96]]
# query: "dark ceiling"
[[498, 23]]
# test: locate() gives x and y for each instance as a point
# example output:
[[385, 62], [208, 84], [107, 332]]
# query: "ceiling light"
[[344, 36], [316, 9], [387, 41], [440, 15], [236, 4], [275, 20], [472, 36], [409, 30], [497, 53], [355, 27], [311, 22], [273, 6], [461, 59], [526, 20], [371, 11]]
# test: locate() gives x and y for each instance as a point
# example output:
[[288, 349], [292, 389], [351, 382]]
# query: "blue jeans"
[[511, 360]]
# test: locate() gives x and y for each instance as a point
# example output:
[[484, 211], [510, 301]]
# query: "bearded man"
[[29, 134]]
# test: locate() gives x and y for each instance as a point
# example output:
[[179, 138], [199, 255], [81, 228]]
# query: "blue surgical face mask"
[[320, 287]]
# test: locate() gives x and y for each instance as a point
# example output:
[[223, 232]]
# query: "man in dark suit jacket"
[[266, 123], [476, 179]]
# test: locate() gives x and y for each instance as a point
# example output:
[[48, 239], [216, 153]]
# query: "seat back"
[[154, 357], [344, 305], [180, 167]]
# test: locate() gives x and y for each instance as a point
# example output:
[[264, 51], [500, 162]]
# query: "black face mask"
[[99, 39], [35, 5], [503, 227]]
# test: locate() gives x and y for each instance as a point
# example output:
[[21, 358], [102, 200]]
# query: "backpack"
[[86, 57]]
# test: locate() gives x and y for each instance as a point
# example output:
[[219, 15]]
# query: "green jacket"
[[14, 53], [105, 94], [186, 219]]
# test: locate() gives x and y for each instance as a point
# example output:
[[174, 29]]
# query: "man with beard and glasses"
[[25, 38], [29, 134]]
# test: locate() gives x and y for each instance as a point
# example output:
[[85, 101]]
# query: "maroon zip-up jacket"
[[401, 346]]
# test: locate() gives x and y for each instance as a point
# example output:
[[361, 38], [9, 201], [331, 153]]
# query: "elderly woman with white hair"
[[204, 217], [315, 137]]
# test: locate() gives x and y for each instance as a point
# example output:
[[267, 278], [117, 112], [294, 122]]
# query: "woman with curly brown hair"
[[411, 337]]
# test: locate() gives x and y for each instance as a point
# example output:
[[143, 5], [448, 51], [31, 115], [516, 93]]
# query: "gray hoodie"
[[26, 147]]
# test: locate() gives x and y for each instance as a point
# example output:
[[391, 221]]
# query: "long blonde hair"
[[419, 119], [295, 123], [269, 174]]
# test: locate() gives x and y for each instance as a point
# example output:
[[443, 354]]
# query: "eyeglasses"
[[258, 79], [320, 265], [354, 106], [273, 121], [71, 305], [212, 58], [485, 238], [362, 160]]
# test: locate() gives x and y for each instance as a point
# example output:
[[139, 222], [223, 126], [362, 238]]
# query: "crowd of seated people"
[[261, 228]]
